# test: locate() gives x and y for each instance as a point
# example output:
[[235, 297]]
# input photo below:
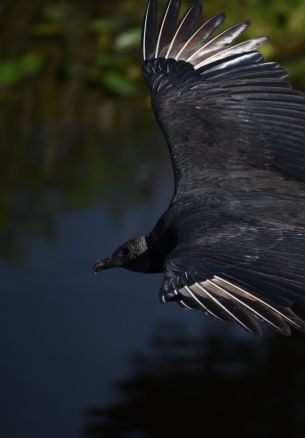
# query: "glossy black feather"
[[232, 241], [149, 30], [167, 27], [184, 29], [200, 36]]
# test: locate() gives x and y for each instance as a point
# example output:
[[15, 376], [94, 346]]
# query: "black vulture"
[[232, 241]]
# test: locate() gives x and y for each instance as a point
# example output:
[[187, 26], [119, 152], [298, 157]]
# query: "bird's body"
[[232, 241]]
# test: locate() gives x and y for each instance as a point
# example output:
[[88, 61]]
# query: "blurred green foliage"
[[74, 113], [100, 41], [13, 72]]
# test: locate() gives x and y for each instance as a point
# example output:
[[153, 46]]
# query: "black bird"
[[232, 241]]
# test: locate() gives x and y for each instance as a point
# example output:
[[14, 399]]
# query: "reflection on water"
[[48, 165], [212, 385], [66, 142]]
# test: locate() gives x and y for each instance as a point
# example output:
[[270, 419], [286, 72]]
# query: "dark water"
[[82, 168], [67, 335], [85, 355]]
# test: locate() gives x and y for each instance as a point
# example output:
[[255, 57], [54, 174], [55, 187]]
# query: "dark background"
[[83, 167]]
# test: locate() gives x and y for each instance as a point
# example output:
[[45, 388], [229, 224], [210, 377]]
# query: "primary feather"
[[232, 242]]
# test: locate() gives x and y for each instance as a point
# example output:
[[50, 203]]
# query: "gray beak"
[[106, 263]]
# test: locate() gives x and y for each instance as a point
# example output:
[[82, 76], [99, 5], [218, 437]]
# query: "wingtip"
[[198, 4], [260, 41], [149, 29], [222, 16], [247, 23], [167, 26]]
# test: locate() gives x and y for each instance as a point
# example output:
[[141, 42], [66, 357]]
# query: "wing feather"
[[219, 42], [149, 30], [235, 129], [207, 306], [185, 28], [259, 311], [235, 91], [200, 36], [283, 315], [168, 25], [237, 314], [246, 278], [206, 57]]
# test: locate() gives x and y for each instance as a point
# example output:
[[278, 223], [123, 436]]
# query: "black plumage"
[[232, 241]]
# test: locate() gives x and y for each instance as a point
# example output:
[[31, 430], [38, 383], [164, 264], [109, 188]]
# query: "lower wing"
[[244, 279]]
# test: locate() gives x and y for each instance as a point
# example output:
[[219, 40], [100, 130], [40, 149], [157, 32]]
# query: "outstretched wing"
[[221, 107], [240, 274]]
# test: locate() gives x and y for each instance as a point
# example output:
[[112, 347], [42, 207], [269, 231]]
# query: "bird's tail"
[[179, 39]]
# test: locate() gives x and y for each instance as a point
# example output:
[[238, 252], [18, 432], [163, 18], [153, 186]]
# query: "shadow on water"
[[215, 385]]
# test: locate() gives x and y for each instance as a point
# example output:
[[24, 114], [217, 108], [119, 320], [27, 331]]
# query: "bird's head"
[[132, 255]]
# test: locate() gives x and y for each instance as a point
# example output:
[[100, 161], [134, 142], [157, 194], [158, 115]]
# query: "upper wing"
[[240, 273], [221, 107]]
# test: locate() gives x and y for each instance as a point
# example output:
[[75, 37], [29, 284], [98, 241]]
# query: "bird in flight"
[[232, 241]]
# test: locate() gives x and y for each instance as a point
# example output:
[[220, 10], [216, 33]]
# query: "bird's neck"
[[160, 242]]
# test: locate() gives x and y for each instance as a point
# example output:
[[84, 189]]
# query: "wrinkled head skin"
[[132, 255]]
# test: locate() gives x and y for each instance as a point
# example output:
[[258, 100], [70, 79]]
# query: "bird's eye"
[[124, 252]]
